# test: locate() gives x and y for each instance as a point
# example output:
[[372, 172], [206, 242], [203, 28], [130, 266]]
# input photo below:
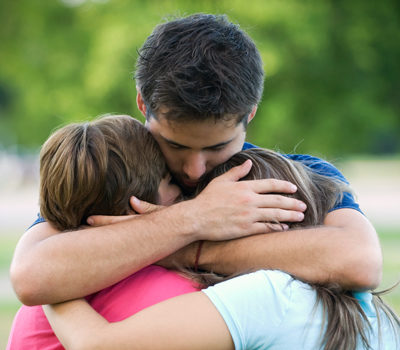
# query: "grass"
[[7, 246], [9, 306], [390, 240]]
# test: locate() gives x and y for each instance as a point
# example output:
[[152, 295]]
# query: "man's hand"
[[138, 207], [228, 208]]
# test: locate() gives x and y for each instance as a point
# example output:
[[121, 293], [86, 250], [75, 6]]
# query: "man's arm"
[[345, 250], [50, 267]]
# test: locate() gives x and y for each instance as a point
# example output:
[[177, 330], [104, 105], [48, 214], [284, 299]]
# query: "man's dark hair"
[[199, 67]]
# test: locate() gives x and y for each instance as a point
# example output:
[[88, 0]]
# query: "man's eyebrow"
[[221, 144], [173, 142]]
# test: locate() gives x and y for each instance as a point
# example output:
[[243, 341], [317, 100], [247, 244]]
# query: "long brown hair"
[[345, 320], [94, 167]]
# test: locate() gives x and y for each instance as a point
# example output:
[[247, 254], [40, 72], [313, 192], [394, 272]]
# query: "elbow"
[[371, 269], [372, 274], [26, 286], [366, 279], [364, 263], [364, 272]]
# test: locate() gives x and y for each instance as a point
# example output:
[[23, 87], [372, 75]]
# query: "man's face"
[[194, 148]]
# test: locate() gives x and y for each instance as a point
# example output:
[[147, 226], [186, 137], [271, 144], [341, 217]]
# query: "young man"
[[199, 81]]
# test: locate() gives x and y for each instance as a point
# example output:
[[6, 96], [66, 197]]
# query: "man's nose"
[[195, 166]]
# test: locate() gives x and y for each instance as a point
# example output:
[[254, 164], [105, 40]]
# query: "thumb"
[[143, 207], [236, 173]]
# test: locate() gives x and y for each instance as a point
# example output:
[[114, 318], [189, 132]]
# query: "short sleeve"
[[248, 145], [38, 220], [253, 306], [327, 169]]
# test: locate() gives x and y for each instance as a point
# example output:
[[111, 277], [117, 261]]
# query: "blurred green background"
[[332, 89], [332, 67]]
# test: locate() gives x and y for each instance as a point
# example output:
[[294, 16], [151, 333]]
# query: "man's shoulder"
[[248, 145], [319, 165]]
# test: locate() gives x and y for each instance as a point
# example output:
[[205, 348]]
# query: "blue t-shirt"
[[324, 168], [271, 310], [317, 164]]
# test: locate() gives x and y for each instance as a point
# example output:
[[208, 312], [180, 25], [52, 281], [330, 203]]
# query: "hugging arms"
[[242, 312], [48, 267]]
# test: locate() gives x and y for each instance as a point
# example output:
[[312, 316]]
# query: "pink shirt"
[[31, 330]]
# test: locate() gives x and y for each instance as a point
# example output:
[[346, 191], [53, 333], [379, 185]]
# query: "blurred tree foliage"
[[332, 67]]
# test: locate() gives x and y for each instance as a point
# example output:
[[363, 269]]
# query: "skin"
[[78, 326], [168, 192], [50, 268]]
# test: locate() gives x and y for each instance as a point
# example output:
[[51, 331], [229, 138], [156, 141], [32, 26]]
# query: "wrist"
[[186, 221], [197, 257], [207, 257]]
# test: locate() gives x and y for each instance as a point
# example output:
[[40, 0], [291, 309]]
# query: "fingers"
[[270, 193], [271, 186], [280, 202], [138, 206], [278, 215], [236, 173], [267, 227], [275, 227], [266, 220], [142, 207], [101, 220]]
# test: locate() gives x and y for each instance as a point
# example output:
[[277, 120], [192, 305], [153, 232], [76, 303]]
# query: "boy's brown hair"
[[95, 167]]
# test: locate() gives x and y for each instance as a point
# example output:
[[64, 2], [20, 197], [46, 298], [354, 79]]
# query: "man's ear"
[[252, 114], [140, 103]]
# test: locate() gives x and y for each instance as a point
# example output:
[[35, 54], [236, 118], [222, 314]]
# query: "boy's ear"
[[140, 103], [252, 114]]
